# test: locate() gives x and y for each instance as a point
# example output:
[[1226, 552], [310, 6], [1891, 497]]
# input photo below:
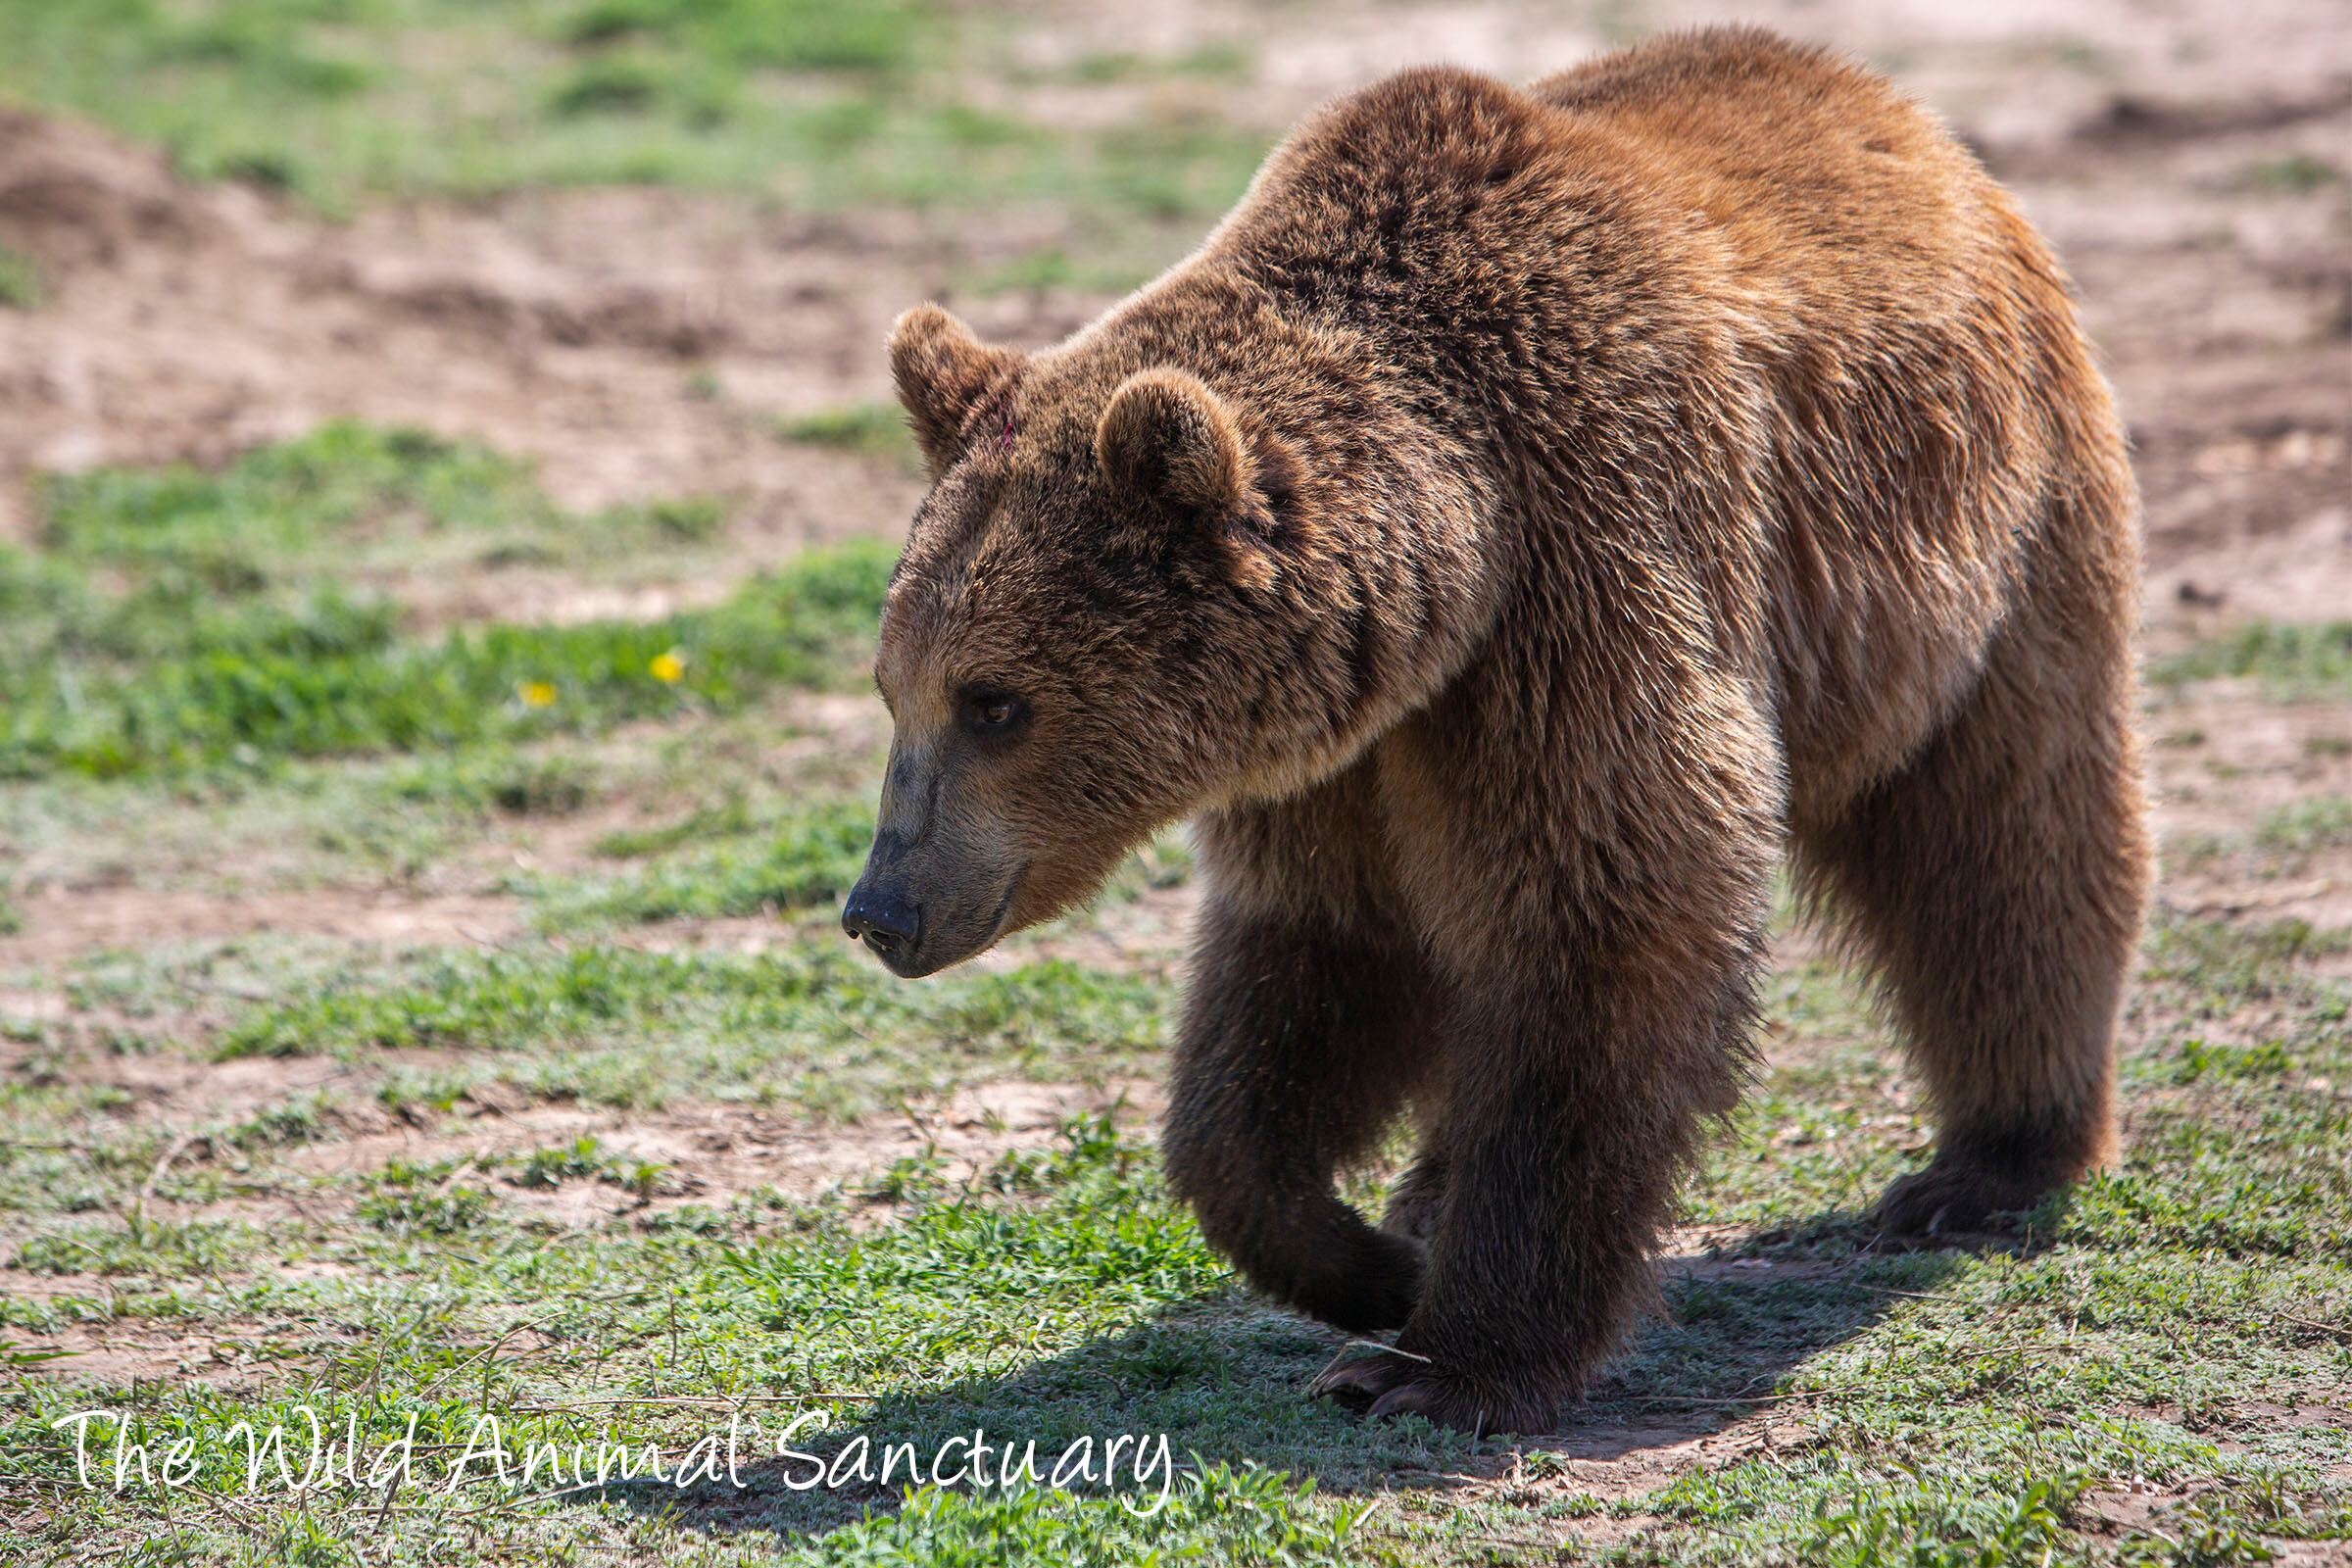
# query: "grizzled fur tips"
[[1533, 515]]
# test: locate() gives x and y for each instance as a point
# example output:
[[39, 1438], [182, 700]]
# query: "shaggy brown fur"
[[1530, 512]]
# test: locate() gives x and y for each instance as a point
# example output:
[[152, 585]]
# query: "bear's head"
[[1113, 609]]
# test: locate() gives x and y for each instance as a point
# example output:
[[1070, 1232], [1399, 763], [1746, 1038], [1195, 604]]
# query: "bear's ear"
[[1168, 441], [1166, 438], [943, 374]]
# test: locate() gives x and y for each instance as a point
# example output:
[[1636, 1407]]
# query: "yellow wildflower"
[[670, 667], [538, 693]]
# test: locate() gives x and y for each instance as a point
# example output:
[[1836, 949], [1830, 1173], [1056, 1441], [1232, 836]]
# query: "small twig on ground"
[[487, 1350], [699, 1402], [2239, 902], [1386, 1349], [178, 1146], [2338, 1330]]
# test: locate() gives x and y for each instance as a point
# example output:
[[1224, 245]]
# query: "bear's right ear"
[[943, 374]]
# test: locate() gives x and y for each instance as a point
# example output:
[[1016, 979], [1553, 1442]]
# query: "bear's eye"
[[991, 714]]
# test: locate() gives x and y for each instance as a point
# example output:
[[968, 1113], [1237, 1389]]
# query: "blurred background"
[[653, 244], [447, 475]]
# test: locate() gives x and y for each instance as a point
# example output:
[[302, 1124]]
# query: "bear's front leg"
[[1570, 1114], [1302, 1037]]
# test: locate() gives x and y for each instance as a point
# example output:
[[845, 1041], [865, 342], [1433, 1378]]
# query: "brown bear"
[[1527, 514]]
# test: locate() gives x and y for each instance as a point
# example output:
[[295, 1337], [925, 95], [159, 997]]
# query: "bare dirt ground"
[[191, 323], [68, 922]]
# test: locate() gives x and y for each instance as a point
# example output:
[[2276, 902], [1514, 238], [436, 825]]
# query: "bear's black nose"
[[882, 921]]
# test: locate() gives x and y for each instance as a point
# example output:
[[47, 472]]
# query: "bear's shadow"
[[1225, 1380]]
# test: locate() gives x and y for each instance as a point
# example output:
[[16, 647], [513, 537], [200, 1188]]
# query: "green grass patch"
[[872, 36], [2172, 1333], [819, 102], [364, 821], [173, 578], [2282, 841], [2306, 826], [2220, 964], [2294, 174], [1130, 189], [330, 678], [1092, 1310], [484, 810], [816, 1026], [788, 856], [1106, 268], [19, 282], [2291, 660], [1217, 61], [346, 501], [808, 858], [1924, 1408], [874, 430]]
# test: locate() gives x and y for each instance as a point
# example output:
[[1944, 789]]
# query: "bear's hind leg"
[[1301, 1041], [1998, 883]]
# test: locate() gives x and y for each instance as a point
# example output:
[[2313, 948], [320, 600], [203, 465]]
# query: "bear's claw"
[[1954, 1198], [1395, 1383]]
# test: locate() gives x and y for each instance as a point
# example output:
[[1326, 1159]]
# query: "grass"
[[300, 689], [875, 430], [2284, 841], [1933, 1408], [2306, 826], [2292, 174], [794, 855], [818, 102], [262, 1179], [19, 282], [2291, 660], [808, 1026], [1220, 60], [300, 548], [808, 858], [400, 820], [1039, 1273], [348, 504], [184, 619]]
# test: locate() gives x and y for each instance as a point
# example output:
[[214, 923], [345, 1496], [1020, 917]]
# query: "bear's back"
[[1789, 193], [1837, 196]]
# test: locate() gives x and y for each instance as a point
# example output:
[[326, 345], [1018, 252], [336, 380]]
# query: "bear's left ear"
[[1167, 440], [1165, 437]]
